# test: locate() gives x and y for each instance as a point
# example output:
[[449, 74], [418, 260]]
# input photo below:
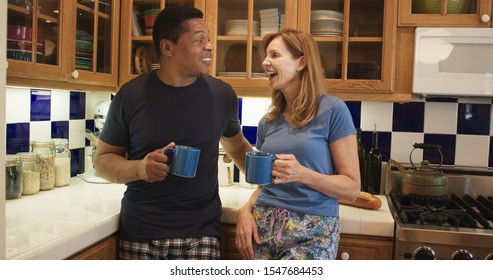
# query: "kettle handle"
[[426, 146]]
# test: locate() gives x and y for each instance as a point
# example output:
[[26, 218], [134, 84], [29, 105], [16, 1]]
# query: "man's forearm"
[[117, 169]]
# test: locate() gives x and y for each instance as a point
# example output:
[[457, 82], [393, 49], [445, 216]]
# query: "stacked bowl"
[[434, 6], [83, 50], [240, 27], [269, 21], [149, 17], [326, 23], [20, 43]]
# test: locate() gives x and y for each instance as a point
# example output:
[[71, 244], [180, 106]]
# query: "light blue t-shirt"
[[310, 145]]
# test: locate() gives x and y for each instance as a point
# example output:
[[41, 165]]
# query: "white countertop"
[[56, 224]]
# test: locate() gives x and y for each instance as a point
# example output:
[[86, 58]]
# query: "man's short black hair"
[[168, 24]]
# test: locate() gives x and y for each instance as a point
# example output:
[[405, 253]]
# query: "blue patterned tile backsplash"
[[40, 114], [461, 126]]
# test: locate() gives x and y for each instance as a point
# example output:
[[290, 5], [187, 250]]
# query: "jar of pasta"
[[46, 152], [62, 162], [13, 176], [30, 173]]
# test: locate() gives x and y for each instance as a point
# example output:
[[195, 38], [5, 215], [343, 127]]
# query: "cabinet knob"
[[344, 256], [75, 74], [485, 18]]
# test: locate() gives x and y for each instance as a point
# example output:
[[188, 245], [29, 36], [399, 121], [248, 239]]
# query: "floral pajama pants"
[[290, 235]]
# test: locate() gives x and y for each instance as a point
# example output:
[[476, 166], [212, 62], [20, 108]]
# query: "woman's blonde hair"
[[312, 85]]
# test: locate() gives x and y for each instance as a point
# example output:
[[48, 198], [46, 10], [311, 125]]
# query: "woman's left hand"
[[286, 168]]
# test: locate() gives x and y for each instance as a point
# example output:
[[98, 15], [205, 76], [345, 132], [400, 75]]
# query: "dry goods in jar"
[[13, 177]]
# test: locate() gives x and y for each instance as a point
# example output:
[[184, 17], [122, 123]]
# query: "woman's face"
[[282, 68]]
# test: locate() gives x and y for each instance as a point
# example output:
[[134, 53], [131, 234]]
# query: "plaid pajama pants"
[[200, 248]]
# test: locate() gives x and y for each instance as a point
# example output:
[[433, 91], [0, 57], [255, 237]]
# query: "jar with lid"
[[46, 152], [62, 162], [13, 177], [30, 173]]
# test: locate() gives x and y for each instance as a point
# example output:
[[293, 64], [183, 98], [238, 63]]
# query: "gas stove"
[[456, 226]]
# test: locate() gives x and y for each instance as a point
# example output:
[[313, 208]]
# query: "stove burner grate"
[[452, 212]]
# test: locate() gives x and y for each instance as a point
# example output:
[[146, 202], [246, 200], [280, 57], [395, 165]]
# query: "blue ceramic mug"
[[259, 167], [183, 160]]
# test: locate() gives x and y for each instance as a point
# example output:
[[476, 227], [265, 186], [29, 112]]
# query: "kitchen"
[[386, 101]]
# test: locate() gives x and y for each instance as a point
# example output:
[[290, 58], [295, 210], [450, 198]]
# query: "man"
[[164, 216]]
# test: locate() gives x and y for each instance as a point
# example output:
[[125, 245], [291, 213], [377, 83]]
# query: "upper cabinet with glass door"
[[357, 43], [137, 52], [95, 52], [237, 28], [34, 39], [451, 13]]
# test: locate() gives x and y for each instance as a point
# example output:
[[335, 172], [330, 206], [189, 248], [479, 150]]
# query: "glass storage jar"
[[13, 177], [46, 152], [30, 173], [62, 162]]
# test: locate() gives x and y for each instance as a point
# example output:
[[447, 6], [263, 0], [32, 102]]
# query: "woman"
[[313, 138]]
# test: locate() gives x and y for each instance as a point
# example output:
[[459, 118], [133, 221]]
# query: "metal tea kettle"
[[423, 180]]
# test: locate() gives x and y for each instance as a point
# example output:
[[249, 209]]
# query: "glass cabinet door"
[[353, 42], [95, 39], [33, 37], [239, 28], [138, 54], [458, 13]]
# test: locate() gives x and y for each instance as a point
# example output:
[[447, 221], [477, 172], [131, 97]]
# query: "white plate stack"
[[281, 21], [326, 23], [240, 27], [269, 21]]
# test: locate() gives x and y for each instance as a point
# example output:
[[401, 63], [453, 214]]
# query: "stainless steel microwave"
[[453, 62]]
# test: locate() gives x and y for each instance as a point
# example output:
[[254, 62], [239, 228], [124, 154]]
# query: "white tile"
[[76, 138], [402, 145], [440, 118], [17, 105], [40, 131], [92, 98], [253, 109], [60, 105], [470, 150], [379, 113]]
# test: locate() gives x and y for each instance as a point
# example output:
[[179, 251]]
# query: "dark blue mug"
[[183, 160], [259, 167]]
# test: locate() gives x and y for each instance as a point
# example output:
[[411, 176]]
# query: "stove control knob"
[[489, 257], [424, 253], [462, 255]]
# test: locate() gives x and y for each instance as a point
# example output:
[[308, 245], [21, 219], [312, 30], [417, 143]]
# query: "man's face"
[[193, 52]]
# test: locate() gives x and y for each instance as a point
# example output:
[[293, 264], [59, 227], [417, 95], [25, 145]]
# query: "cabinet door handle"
[[344, 256], [485, 18], [75, 74]]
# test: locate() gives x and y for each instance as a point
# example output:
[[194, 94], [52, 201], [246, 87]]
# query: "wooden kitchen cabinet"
[[137, 53], [358, 56], [360, 247], [356, 247], [228, 246], [237, 28], [35, 41], [106, 249], [76, 44], [477, 14]]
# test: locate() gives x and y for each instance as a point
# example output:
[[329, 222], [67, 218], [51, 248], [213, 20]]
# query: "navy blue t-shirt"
[[147, 114]]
